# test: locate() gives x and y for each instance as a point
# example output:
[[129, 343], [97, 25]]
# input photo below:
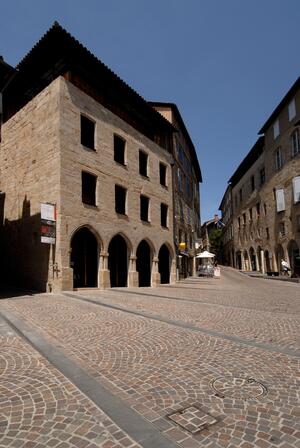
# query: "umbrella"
[[205, 254]]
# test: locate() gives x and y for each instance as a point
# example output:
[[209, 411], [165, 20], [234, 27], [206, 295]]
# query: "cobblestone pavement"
[[195, 388], [40, 408]]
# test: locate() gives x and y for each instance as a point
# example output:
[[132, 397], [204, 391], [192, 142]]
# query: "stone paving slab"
[[269, 315], [159, 369], [40, 407]]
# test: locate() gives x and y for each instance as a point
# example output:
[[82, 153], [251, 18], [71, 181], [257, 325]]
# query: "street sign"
[[48, 223]]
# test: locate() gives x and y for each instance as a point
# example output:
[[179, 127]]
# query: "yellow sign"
[[182, 246]]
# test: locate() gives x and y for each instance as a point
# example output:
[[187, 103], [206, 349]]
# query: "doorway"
[[164, 264], [143, 263], [84, 259], [118, 261]]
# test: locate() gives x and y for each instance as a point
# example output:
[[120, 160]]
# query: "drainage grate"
[[192, 419], [238, 388]]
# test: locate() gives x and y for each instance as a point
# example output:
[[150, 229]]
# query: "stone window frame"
[[125, 213], [278, 159], [93, 203], [295, 142], [83, 117], [142, 197], [117, 137]]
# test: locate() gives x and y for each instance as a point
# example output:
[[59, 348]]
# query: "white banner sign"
[[48, 212]]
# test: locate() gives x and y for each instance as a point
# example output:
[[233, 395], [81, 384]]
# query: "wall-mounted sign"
[[182, 246], [48, 223]]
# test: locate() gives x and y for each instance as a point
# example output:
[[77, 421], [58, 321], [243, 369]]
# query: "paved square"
[[205, 362]]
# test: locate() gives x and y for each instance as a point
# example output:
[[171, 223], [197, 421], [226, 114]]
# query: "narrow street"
[[204, 362]]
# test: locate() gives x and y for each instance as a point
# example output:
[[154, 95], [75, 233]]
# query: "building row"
[[261, 205], [121, 173]]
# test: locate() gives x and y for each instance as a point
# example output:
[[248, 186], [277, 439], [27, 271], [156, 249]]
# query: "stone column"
[[243, 261], [256, 262], [173, 271], [194, 266], [155, 273], [103, 271], [274, 262], [262, 261], [133, 275]]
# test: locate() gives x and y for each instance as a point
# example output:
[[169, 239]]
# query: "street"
[[204, 362]]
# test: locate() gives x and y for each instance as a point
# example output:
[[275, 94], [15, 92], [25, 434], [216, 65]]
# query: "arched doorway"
[[84, 258], [279, 256], [294, 258], [118, 261], [144, 263], [238, 260], [267, 261], [259, 259], [252, 259], [164, 264], [246, 260]]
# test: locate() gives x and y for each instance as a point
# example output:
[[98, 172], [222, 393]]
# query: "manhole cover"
[[240, 388], [192, 419]]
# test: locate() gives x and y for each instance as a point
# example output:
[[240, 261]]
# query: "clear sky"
[[225, 63]]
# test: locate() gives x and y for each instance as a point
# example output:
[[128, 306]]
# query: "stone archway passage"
[[143, 263], [267, 261], [118, 261], [84, 258], [164, 264]]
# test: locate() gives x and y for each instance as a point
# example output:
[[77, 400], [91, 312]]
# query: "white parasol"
[[205, 254]]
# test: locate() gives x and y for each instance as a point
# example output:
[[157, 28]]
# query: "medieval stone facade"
[[103, 159], [186, 178], [265, 196]]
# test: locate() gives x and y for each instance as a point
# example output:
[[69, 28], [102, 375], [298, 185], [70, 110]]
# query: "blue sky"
[[225, 63]]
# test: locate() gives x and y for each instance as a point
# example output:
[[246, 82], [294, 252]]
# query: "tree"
[[215, 241]]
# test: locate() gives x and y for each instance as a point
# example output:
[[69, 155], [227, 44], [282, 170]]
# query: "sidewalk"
[[258, 274]]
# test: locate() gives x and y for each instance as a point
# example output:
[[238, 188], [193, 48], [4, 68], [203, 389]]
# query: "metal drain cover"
[[192, 419], [238, 387]]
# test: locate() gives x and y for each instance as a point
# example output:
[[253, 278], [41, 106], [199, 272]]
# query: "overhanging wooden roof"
[[58, 52]]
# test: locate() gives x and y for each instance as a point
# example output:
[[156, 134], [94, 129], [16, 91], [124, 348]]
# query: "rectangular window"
[[162, 174], [252, 183], [281, 229], [296, 189], [119, 149], [292, 109], [241, 195], [88, 188], [244, 219], [239, 222], [164, 215], [278, 159], [144, 208], [265, 209], [120, 199], [295, 140], [267, 233], [250, 214], [87, 132], [280, 202], [143, 163], [262, 175], [276, 130]]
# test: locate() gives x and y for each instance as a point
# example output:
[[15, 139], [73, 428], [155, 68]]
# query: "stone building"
[[73, 134], [265, 191], [186, 179]]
